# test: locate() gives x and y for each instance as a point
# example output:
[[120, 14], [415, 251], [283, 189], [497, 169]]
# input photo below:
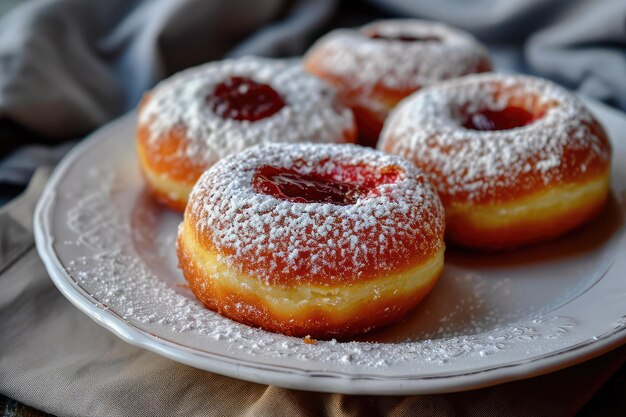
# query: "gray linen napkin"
[[68, 66], [56, 359]]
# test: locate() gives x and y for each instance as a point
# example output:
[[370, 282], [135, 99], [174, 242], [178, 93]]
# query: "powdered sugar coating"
[[280, 241], [396, 65], [310, 114], [564, 144]]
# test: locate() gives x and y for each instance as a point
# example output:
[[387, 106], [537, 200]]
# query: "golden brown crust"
[[318, 269], [526, 230], [314, 322], [370, 106], [166, 159], [165, 199], [505, 188], [167, 155]]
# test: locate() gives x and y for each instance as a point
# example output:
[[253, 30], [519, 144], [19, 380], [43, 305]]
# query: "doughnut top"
[[399, 54], [398, 223], [186, 103], [557, 141]]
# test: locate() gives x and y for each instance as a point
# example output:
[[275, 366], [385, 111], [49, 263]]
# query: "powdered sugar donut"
[[377, 65], [195, 118], [320, 240], [515, 159]]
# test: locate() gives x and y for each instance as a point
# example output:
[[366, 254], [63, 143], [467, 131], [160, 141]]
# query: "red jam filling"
[[343, 187], [241, 98], [405, 38], [508, 118]]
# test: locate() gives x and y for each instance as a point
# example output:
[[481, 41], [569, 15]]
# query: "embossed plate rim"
[[288, 376]]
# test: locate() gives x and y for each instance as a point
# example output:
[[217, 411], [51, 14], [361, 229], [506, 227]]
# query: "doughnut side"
[[162, 187], [169, 172], [542, 215], [300, 309], [370, 105], [543, 175]]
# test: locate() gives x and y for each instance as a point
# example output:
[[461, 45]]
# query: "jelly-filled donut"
[[375, 66], [193, 119], [515, 159], [312, 239]]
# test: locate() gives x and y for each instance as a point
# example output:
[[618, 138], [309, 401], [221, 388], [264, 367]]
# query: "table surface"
[[608, 401]]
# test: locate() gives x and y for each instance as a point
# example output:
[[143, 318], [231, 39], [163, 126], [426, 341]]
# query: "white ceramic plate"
[[490, 319]]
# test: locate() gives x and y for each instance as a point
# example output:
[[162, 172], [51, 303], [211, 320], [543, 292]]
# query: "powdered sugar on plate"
[[121, 280]]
